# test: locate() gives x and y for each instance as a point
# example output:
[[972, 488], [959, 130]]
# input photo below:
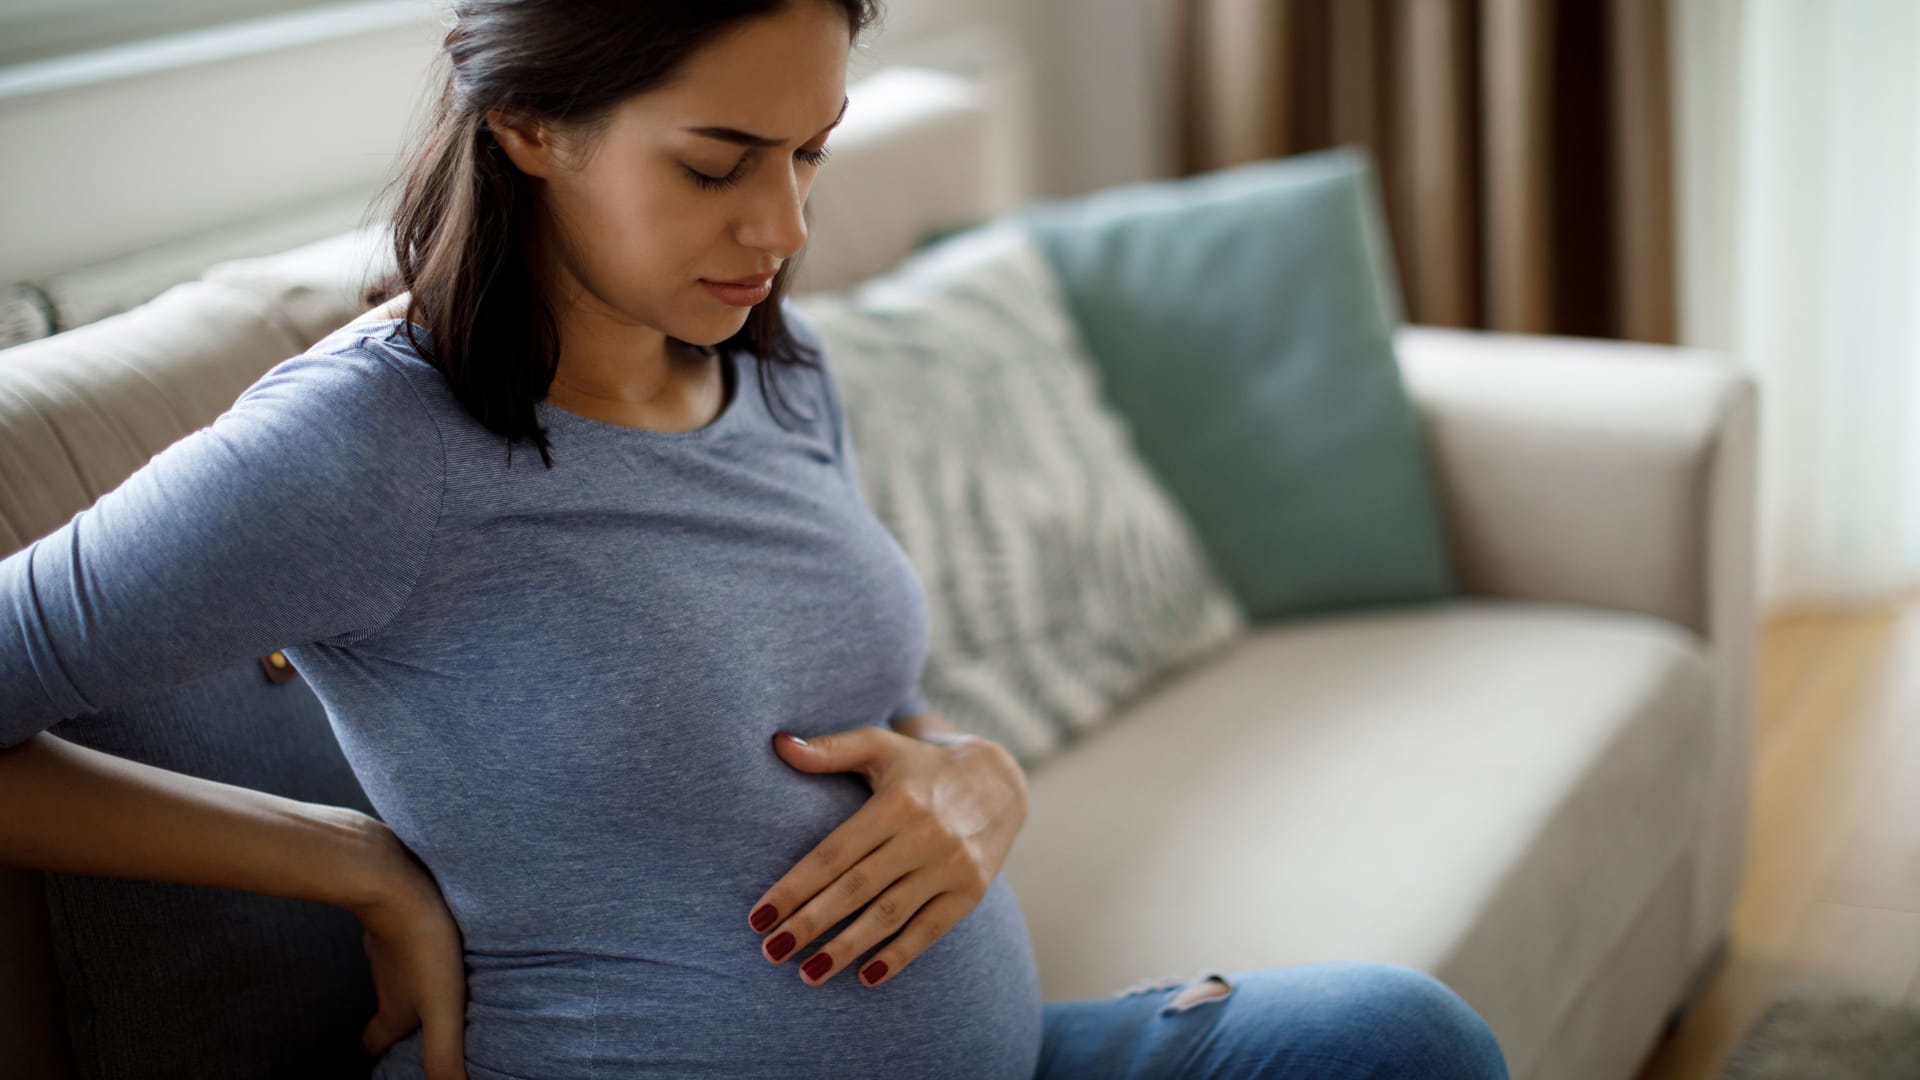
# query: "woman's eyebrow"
[[735, 135]]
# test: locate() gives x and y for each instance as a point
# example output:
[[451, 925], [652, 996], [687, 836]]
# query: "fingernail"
[[794, 739], [817, 966], [764, 918], [779, 947], [872, 972]]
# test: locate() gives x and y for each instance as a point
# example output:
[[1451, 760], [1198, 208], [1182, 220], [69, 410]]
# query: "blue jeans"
[[1337, 1020]]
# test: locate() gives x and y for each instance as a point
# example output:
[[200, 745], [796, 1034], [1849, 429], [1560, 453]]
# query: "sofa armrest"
[[1603, 473], [1613, 475]]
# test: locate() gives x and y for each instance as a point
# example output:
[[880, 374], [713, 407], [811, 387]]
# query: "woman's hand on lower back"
[[419, 968], [918, 856]]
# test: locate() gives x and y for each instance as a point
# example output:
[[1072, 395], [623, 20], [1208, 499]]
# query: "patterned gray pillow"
[[1061, 579]]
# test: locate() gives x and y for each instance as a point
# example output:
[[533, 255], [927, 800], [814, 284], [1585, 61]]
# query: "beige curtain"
[[1523, 145]]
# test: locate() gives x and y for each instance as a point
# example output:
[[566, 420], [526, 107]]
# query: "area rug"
[[1814, 1033]]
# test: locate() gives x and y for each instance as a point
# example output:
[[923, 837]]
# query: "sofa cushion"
[[1489, 791], [1061, 580], [316, 288], [81, 410], [1242, 319], [168, 980], [162, 979]]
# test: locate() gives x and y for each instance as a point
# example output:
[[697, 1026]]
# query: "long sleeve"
[[302, 514], [846, 455]]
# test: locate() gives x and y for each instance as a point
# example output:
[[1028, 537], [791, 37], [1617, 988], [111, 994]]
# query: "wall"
[[293, 124]]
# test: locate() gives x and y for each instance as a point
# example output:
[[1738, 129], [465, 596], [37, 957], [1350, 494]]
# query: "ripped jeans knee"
[[1208, 985]]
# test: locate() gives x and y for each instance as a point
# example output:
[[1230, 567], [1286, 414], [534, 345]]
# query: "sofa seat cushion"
[[1485, 790]]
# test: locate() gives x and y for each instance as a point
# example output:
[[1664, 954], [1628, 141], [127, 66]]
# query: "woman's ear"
[[527, 142]]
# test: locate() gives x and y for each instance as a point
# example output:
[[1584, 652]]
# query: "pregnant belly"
[[699, 1000]]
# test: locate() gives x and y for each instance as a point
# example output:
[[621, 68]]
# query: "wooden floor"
[[1832, 891]]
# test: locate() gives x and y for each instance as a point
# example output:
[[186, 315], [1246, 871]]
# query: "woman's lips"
[[739, 295]]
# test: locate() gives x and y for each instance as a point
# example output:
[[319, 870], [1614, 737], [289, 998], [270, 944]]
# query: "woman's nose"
[[779, 223]]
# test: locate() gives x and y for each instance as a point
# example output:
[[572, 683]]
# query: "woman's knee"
[[1421, 1027]]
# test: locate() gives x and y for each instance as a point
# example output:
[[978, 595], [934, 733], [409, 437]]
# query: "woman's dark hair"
[[462, 224]]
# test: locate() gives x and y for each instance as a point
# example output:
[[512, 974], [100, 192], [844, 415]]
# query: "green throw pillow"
[[1243, 323]]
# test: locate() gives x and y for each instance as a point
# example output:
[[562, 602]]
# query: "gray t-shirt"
[[558, 687]]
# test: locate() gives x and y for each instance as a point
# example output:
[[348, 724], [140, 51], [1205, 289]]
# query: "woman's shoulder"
[[380, 352], [390, 338], [354, 389], [383, 333]]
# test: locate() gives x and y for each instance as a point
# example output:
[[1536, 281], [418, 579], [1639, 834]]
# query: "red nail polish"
[[817, 966], [780, 946], [872, 972], [764, 918]]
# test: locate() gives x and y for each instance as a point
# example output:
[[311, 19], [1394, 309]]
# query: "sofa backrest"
[[79, 412], [83, 409]]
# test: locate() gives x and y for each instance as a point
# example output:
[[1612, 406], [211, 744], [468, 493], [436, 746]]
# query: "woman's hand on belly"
[[918, 856]]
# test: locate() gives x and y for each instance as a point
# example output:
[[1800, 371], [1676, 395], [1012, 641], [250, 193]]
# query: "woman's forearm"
[[67, 808]]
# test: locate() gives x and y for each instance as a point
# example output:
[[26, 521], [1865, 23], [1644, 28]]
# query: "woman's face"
[[637, 231]]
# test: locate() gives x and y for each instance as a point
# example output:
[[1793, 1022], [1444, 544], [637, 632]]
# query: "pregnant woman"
[[566, 535]]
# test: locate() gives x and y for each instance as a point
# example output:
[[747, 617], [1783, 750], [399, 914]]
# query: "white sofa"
[[1537, 793]]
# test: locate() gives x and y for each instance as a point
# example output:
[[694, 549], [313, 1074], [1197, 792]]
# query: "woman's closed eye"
[[815, 158]]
